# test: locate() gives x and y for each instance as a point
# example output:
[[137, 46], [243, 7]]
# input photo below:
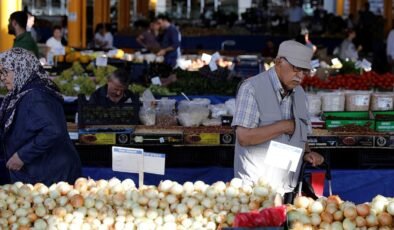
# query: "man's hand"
[[289, 126], [314, 158], [14, 163], [161, 52]]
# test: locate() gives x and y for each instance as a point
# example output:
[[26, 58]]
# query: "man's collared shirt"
[[25, 41], [247, 114]]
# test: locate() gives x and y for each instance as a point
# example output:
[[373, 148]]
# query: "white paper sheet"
[[281, 155]]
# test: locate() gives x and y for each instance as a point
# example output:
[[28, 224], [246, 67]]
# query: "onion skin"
[[363, 210], [326, 217], [350, 213], [76, 201], [385, 219]]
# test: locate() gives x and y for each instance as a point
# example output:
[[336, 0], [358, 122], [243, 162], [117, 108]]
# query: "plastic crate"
[[384, 121], [90, 114], [337, 119]]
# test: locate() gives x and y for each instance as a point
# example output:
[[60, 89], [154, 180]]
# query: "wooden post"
[[123, 14], [7, 7], [77, 23], [340, 7], [101, 12]]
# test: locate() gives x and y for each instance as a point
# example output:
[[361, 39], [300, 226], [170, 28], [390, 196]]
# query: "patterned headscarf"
[[28, 75]]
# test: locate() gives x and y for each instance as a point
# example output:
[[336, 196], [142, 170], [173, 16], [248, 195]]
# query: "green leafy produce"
[[161, 90], [137, 89]]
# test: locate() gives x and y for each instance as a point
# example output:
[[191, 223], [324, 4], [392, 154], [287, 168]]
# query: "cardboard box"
[[356, 141]]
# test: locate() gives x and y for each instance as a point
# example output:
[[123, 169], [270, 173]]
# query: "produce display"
[[75, 80], [333, 213], [115, 204], [364, 81]]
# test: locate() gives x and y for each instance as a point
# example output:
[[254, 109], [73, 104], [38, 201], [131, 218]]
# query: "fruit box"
[[384, 121], [337, 119]]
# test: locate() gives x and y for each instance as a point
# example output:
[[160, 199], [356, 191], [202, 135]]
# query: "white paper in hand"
[[127, 159], [154, 163], [279, 155]]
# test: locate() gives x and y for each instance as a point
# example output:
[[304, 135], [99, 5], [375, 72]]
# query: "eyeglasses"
[[298, 69]]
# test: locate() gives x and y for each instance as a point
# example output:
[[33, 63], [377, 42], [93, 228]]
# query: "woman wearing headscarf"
[[33, 127]]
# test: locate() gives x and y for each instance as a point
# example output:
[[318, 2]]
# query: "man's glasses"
[[298, 69]]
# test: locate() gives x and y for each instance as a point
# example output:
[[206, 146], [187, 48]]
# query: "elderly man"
[[271, 106], [115, 92]]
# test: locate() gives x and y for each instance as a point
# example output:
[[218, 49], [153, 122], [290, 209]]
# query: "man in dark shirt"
[[170, 41], [115, 92], [17, 26]]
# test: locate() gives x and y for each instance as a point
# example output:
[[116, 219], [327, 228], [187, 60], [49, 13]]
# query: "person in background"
[[348, 50], [390, 50], [295, 14], [30, 26], [149, 38], [33, 127], [103, 38], [55, 42], [272, 106], [115, 92], [64, 30], [303, 38], [17, 26], [170, 41], [269, 50]]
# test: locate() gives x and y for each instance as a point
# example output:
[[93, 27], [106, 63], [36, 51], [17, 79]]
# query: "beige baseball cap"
[[296, 53]]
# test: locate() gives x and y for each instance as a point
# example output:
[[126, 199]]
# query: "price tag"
[[156, 81], [72, 17], [127, 159], [154, 163], [385, 103], [101, 61], [278, 153]]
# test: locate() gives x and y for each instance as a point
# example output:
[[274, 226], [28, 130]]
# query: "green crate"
[[384, 124], [338, 119]]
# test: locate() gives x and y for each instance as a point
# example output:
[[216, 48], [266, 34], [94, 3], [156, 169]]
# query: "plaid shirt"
[[247, 114], [246, 111]]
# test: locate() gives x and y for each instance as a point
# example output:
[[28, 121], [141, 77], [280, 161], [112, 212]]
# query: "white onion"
[[301, 202], [360, 221], [138, 212], [260, 191], [176, 189], [315, 219], [231, 192], [207, 203], [199, 186], [337, 225], [236, 183], [92, 212], [113, 181], [316, 207], [128, 184], [188, 188], [390, 208], [165, 186], [23, 221], [372, 220], [349, 224], [40, 210], [40, 224], [196, 210]]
